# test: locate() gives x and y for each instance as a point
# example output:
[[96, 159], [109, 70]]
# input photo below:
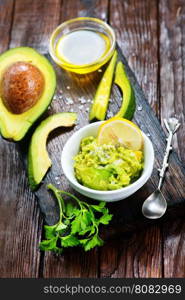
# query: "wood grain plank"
[[174, 249], [6, 17], [172, 78], [172, 62], [34, 22], [135, 24], [19, 256], [84, 8], [20, 220], [74, 263], [135, 256]]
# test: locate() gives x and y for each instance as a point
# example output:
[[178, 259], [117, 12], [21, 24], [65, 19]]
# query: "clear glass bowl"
[[83, 23]]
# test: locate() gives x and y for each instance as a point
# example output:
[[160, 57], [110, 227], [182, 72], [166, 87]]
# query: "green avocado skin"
[[33, 184], [15, 126], [38, 158]]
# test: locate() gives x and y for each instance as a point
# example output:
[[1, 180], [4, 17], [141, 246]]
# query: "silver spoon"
[[155, 205]]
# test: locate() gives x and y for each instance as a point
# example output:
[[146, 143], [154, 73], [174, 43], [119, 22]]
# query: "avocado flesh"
[[97, 179], [128, 105], [38, 158], [15, 126], [101, 99]]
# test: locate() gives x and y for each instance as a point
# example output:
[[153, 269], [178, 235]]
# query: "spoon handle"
[[165, 160]]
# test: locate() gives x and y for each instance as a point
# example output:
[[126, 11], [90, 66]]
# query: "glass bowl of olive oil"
[[82, 45]]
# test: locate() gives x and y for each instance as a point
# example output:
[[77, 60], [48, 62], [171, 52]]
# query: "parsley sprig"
[[78, 224]]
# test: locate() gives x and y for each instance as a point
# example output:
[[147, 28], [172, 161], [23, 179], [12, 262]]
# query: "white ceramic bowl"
[[71, 148]]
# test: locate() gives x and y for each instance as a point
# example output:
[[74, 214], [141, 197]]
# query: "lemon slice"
[[121, 131]]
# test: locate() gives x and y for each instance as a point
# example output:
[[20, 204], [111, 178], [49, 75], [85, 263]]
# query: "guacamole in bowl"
[[106, 167]]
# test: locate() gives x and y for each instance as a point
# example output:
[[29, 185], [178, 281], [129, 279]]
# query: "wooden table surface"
[[151, 35]]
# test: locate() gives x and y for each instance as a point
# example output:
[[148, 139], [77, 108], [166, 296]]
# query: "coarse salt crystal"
[[110, 114], [69, 101], [82, 100]]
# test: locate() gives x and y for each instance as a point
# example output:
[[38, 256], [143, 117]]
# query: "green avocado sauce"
[[106, 167]]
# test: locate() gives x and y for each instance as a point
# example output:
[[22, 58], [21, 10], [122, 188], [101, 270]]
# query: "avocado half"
[[38, 158], [15, 126]]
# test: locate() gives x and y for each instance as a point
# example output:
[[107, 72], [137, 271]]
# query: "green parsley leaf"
[[47, 245], [69, 241], [102, 204], [105, 219], [60, 226], [49, 231], [69, 209], [78, 224], [98, 207], [83, 241], [86, 219], [91, 243], [89, 229]]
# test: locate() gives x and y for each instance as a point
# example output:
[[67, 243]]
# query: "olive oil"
[[82, 47]]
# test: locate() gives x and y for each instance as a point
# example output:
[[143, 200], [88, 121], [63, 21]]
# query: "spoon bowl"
[[154, 206]]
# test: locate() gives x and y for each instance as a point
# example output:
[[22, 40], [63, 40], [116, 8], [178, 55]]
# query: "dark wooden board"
[[126, 212], [172, 91]]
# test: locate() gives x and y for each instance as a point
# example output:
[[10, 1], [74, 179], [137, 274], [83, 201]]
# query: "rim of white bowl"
[[142, 178]]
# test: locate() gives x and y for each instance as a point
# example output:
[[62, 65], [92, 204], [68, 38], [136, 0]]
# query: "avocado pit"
[[21, 87]]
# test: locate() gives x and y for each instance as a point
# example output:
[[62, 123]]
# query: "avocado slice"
[[38, 158], [128, 105], [101, 99], [14, 126]]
